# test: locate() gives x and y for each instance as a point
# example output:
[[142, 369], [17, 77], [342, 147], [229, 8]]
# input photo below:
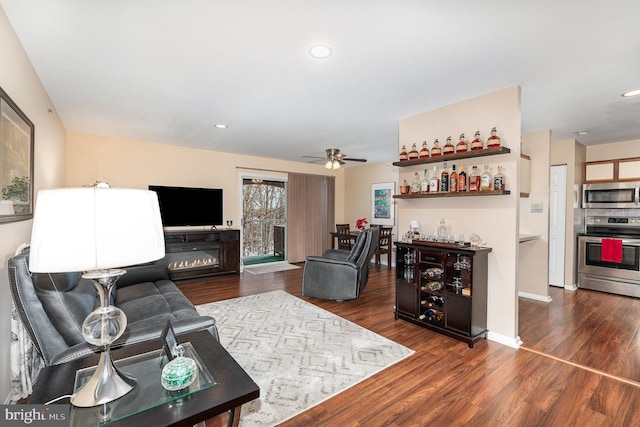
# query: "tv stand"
[[197, 254]]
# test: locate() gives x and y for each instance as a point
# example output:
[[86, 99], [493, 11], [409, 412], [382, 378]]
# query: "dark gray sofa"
[[52, 307]]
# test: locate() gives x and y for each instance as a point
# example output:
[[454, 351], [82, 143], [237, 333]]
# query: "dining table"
[[334, 237]]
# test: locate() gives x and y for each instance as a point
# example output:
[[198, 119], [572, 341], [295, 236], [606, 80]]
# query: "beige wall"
[[613, 150], [358, 180], [137, 164], [494, 218], [533, 263], [19, 80]]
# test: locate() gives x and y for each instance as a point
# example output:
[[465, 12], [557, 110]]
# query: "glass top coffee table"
[[221, 385]]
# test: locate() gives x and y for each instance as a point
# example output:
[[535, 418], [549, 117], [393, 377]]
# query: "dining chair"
[[384, 245], [344, 237]]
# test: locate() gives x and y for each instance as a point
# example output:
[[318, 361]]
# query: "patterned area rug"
[[299, 354], [269, 267]]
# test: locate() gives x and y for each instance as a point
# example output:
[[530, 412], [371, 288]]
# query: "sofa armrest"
[[336, 254], [148, 333]]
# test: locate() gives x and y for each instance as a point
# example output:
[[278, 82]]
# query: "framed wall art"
[[382, 207], [16, 162]]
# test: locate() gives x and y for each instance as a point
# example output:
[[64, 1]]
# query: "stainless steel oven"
[[616, 195], [597, 269]]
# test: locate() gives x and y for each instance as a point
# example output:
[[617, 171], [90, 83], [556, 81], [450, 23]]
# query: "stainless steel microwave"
[[616, 195]]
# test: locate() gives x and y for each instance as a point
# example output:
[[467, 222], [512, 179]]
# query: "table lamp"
[[96, 230]]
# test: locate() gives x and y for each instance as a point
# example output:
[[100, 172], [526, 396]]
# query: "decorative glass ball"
[[104, 325]]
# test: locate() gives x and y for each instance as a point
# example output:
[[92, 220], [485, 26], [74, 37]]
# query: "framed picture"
[[16, 162], [169, 341], [382, 207]]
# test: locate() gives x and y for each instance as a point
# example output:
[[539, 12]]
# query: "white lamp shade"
[[415, 223], [83, 229]]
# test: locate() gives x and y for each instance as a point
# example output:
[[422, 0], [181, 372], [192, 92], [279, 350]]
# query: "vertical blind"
[[311, 214]]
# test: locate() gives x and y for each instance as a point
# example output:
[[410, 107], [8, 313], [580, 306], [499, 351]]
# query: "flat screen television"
[[189, 206]]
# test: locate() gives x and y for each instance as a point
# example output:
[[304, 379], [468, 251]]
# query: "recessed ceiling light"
[[320, 51], [221, 126], [582, 132], [629, 93]]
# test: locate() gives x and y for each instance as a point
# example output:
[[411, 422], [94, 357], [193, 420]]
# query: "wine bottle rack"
[[443, 289]]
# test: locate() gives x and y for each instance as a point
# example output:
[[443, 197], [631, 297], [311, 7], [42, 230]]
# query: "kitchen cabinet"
[[612, 170], [443, 287]]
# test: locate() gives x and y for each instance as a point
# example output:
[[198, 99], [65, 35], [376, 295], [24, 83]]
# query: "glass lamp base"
[[105, 385]]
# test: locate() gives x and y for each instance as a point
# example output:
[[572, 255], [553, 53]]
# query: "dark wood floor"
[[446, 383]]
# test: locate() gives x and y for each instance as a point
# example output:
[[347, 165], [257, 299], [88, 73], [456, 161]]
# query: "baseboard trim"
[[543, 298], [571, 287], [515, 342]]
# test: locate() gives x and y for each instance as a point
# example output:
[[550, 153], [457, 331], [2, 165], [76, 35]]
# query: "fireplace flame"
[[201, 262]]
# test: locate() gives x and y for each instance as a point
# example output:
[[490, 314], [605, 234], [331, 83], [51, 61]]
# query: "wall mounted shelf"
[[453, 157], [452, 194]]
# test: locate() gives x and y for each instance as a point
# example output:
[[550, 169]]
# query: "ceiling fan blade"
[[351, 159], [314, 157]]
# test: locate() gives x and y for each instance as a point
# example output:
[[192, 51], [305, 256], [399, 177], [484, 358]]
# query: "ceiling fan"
[[334, 158]]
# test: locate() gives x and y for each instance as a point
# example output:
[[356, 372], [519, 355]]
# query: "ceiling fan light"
[[329, 164], [335, 164]]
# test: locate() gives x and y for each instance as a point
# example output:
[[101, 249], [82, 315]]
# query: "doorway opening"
[[263, 220]]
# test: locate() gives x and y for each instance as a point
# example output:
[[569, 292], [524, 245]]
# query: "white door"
[[557, 223]]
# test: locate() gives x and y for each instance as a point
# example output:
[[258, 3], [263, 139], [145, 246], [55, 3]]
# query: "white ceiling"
[[167, 71]]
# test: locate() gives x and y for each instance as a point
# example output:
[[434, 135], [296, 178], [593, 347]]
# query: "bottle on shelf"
[[448, 147], [494, 140], [436, 150], [431, 315], [442, 230], [434, 182], [444, 179], [477, 143], [415, 184], [413, 154], [462, 179], [453, 180], [462, 146], [424, 184], [405, 188], [486, 183], [474, 179], [431, 286], [424, 151], [403, 154], [498, 180]]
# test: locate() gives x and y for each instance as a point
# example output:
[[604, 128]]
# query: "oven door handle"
[[628, 242]]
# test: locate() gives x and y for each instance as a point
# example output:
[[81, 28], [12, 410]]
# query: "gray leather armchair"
[[338, 274], [52, 307]]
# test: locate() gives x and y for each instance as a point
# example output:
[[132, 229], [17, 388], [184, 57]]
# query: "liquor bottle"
[[444, 179], [498, 180], [415, 184], [453, 180], [424, 184], [424, 151], [436, 150], [474, 179], [413, 154], [403, 154], [477, 143], [448, 147], [486, 183], [462, 146], [434, 182], [431, 286], [462, 179], [494, 140], [405, 187]]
